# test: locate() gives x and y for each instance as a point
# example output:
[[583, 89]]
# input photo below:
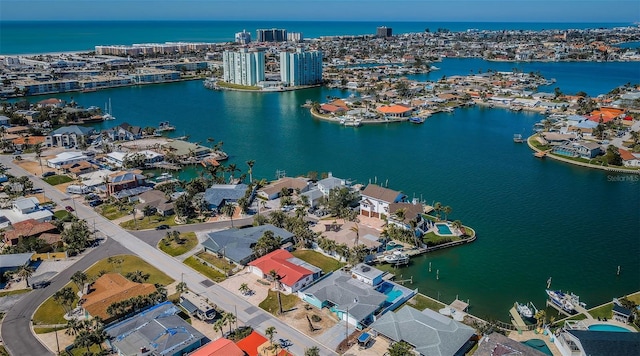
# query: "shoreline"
[[581, 164], [363, 122]]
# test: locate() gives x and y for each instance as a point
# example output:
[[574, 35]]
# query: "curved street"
[[122, 241]]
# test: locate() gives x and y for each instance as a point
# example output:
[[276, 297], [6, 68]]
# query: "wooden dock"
[[516, 319]]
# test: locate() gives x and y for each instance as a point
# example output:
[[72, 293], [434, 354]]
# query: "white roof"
[[15, 217], [26, 203], [117, 156], [67, 156], [95, 178]]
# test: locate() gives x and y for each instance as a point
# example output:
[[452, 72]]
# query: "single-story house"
[[314, 197], [350, 299], [272, 191], [157, 330], [293, 272], [111, 288], [80, 167], [219, 194], [395, 110], [157, 200], [429, 332], [14, 261], [26, 229], [236, 245], [24, 209], [66, 158], [252, 344], [219, 347], [628, 158], [582, 149]]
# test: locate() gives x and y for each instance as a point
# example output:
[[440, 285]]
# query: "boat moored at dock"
[[561, 300]]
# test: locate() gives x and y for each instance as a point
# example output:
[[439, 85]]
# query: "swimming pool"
[[539, 345], [607, 327], [392, 245], [443, 229]]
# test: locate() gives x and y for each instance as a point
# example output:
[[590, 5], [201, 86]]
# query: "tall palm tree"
[[270, 332], [231, 318], [437, 207], [229, 209], [356, 229], [250, 163], [219, 325], [232, 168], [25, 272], [446, 210], [79, 278], [273, 276]]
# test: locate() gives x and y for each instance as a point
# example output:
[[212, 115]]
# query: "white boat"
[[165, 126], [561, 300], [397, 257], [416, 120], [107, 109], [524, 310], [353, 123], [517, 138]]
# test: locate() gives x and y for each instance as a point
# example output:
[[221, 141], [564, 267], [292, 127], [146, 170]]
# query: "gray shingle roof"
[[218, 193], [429, 332], [346, 292], [382, 193], [73, 129], [15, 260], [236, 244]]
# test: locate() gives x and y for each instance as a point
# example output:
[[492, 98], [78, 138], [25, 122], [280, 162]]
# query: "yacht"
[[561, 300], [524, 310], [397, 257]]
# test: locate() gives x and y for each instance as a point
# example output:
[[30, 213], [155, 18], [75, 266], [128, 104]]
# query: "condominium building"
[[301, 67], [243, 67], [295, 37], [384, 32], [272, 35], [243, 37]]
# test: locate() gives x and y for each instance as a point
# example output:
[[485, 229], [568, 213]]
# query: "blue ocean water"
[[22, 37]]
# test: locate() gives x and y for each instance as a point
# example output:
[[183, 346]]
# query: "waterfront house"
[[621, 314], [273, 190], [588, 342], [66, 158], [628, 158], [367, 274], [156, 331], [582, 149], [314, 197], [395, 111], [497, 344], [332, 109], [375, 200], [348, 298], [294, 273], [27, 229], [11, 262], [50, 103], [236, 245], [220, 194], [157, 200], [325, 185], [124, 180], [401, 214], [345, 234], [124, 132], [111, 288], [69, 136], [429, 332]]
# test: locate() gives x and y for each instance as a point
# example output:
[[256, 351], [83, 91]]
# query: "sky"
[[599, 11]]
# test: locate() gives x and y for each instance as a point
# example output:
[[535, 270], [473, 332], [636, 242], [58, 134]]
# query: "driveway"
[[232, 284]]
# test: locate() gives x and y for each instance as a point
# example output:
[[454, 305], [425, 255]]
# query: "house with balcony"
[[69, 136], [375, 200]]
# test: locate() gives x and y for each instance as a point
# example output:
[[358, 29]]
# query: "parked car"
[[48, 174], [95, 202], [162, 227], [69, 209]]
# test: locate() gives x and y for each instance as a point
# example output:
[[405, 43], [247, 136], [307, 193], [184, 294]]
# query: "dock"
[[540, 154], [551, 304], [516, 319]]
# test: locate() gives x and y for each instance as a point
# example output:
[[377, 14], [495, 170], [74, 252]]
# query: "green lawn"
[[215, 260], [603, 311], [209, 272], [270, 304], [47, 330], [148, 222], [14, 292], [432, 239], [171, 248], [63, 215], [50, 312], [421, 302], [112, 211], [327, 264], [58, 179], [79, 351]]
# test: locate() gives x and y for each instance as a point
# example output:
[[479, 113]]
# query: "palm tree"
[[73, 326], [250, 163], [65, 298], [312, 351], [231, 318], [446, 210], [244, 288], [229, 209], [273, 276], [356, 229], [270, 332], [25, 272], [181, 288], [79, 278], [231, 169], [219, 325], [437, 207]]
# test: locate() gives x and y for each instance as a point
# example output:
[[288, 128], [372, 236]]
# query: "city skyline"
[[599, 11]]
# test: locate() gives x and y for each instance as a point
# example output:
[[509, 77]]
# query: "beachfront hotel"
[[243, 67], [301, 67]]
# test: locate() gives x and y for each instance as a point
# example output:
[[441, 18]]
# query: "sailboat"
[[107, 109]]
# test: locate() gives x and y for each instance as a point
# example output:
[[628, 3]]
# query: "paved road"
[[152, 237], [247, 314]]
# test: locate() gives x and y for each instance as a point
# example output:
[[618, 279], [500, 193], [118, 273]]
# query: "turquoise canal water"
[[535, 218]]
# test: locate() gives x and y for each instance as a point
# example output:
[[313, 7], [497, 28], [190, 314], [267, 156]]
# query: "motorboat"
[[561, 300], [165, 126], [517, 138], [524, 310], [416, 120], [397, 257]]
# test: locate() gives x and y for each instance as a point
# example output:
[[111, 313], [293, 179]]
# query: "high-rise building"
[[384, 32], [301, 68], [272, 35], [243, 37], [243, 67], [294, 37]]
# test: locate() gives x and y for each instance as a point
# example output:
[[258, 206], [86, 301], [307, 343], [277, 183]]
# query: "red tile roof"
[[220, 347], [394, 109], [28, 228], [626, 155], [251, 343], [277, 260]]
